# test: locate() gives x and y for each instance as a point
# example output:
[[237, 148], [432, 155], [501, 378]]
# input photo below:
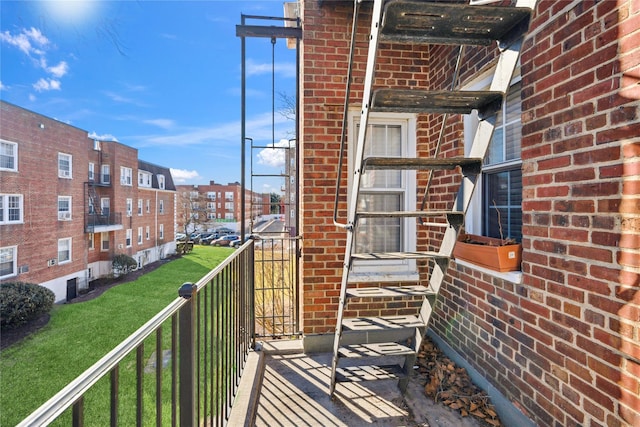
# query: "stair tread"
[[397, 255], [368, 373], [387, 163], [375, 350], [382, 323], [408, 214], [452, 23], [389, 291], [442, 101]]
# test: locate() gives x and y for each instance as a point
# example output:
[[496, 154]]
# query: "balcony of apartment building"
[[99, 217]]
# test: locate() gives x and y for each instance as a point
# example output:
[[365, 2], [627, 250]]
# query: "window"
[[126, 175], [386, 190], [144, 179], [139, 207], [92, 208], [91, 244], [105, 206], [148, 205], [64, 250], [65, 163], [129, 207], [228, 195], [64, 208], [161, 232], [161, 206], [92, 171], [211, 206], [8, 261], [105, 177], [146, 232], [11, 208], [128, 238], [502, 173], [161, 182], [228, 216], [211, 195], [211, 215], [228, 206], [139, 235], [496, 210], [104, 241], [8, 156]]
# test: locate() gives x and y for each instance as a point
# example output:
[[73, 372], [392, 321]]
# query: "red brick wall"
[[564, 344]]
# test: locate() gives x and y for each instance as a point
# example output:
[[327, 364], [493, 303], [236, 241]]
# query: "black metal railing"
[[93, 220], [182, 367]]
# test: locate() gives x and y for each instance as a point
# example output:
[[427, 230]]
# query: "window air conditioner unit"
[[64, 216], [52, 262]]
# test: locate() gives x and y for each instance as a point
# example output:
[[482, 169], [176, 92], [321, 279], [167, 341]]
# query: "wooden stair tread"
[[368, 373], [389, 291], [375, 350], [381, 323], [442, 101], [389, 163], [397, 255], [451, 23]]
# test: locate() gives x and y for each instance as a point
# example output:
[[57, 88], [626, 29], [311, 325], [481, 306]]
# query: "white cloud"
[[182, 175], [286, 69], [103, 137], [274, 157], [26, 40], [161, 123], [3, 87], [46, 84], [59, 70]]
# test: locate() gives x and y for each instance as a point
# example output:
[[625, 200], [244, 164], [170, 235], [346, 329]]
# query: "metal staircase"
[[373, 341]]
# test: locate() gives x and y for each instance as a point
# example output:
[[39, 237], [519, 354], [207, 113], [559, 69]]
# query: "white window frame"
[[126, 176], [105, 174], [63, 173], [67, 240], [148, 205], [129, 207], [4, 208], [13, 252], [91, 242], [161, 206], [105, 242], [139, 235], [128, 238], [161, 232], [64, 215], [397, 270], [92, 171], [140, 207], [144, 179], [14, 155], [161, 182], [147, 233], [105, 206]]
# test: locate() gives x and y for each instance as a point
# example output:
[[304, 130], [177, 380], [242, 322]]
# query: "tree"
[[193, 210], [275, 203]]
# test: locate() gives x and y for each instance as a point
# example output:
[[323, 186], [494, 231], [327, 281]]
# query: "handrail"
[[354, 28]]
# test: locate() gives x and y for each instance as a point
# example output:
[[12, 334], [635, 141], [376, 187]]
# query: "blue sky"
[[160, 76]]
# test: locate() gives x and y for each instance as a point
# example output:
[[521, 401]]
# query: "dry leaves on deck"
[[452, 386]]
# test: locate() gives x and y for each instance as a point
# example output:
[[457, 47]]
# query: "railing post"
[[187, 339]]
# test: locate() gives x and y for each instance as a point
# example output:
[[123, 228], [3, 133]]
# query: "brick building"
[[560, 338], [208, 206], [69, 204]]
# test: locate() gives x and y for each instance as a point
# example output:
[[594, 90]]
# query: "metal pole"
[[242, 133], [186, 333]]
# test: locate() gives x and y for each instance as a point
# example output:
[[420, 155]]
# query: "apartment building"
[[208, 206], [68, 204]]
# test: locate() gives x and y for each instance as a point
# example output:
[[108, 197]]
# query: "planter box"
[[487, 252]]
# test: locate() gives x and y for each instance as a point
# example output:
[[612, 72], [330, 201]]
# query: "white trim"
[[70, 240], [14, 261], [15, 156], [62, 173]]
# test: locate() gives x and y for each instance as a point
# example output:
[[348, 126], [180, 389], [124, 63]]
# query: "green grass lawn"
[[80, 334]]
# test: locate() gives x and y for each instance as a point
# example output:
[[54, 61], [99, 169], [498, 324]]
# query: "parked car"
[[195, 237], [181, 236], [223, 231], [206, 238], [238, 243], [225, 240]]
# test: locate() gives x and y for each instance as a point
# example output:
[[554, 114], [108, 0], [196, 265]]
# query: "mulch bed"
[[96, 288]]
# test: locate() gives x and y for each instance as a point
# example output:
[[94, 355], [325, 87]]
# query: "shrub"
[[22, 302], [123, 264]]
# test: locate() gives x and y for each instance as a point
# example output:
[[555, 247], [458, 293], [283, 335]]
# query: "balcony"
[[215, 373], [100, 179], [100, 223]]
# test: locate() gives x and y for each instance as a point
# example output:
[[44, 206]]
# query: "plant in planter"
[[495, 254]]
